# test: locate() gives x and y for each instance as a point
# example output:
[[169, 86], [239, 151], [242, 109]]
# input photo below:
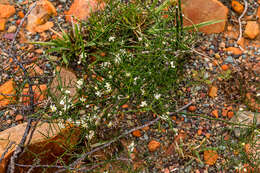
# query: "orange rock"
[[230, 114], [137, 133], [241, 42], [237, 7], [192, 108], [21, 14], [224, 112], [210, 157], [44, 27], [7, 88], [234, 50], [19, 117], [34, 70], [124, 106], [215, 113], [199, 132], [197, 11], [2, 24], [207, 135], [145, 128], [103, 54], [81, 9], [39, 94], [153, 145], [252, 29], [213, 91], [47, 137], [40, 15], [224, 67], [6, 11]]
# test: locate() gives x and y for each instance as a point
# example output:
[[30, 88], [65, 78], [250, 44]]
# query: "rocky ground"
[[222, 80]]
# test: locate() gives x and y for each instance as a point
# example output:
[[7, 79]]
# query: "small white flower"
[[164, 117], [62, 102], [142, 91], [127, 74], [53, 108], [157, 96], [79, 83], [67, 92], [117, 59], [82, 99], [79, 62], [108, 87], [143, 104], [111, 39], [87, 106], [91, 134], [140, 39], [172, 64], [98, 93], [110, 124], [131, 146]]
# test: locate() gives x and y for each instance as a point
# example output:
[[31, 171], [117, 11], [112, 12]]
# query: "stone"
[[38, 91], [224, 67], [213, 91], [18, 117], [215, 113], [234, 50], [137, 133], [81, 9], [246, 118], [252, 29], [44, 27], [153, 145], [68, 82], [8, 11], [34, 70], [11, 29], [256, 68], [49, 137], [241, 42], [210, 157], [198, 11], [40, 15], [237, 7], [8, 89], [2, 24], [192, 108]]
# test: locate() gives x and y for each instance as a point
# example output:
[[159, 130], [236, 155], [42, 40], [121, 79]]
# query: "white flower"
[[164, 117], [79, 83], [67, 92], [108, 87], [98, 93], [140, 39], [110, 124], [143, 92], [82, 99], [111, 39], [131, 146], [117, 59], [127, 74], [172, 64], [143, 104], [91, 134], [87, 106], [157, 96], [62, 102], [53, 108]]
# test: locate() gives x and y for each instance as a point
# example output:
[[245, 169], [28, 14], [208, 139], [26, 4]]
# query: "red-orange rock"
[[137, 133], [215, 113], [6, 11], [230, 114], [224, 67], [81, 9], [192, 108], [237, 7], [153, 145], [34, 70], [19, 117], [224, 112], [40, 15], [124, 106], [199, 132], [198, 11], [7, 88], [38, 91], [44, 27], [241, 42], [234, 50], [2, 24], [252, 29], [21, 14], [210, 157], [213, 91]]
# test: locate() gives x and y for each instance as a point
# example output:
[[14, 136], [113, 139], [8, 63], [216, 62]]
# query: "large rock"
[[198, 11], [48, 143], [39, 16], [252, 29], [81, 9], [6, 11], [8, 92]]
